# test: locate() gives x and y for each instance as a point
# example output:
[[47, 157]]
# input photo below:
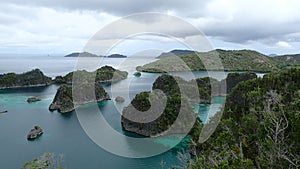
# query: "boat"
[[2, 112]]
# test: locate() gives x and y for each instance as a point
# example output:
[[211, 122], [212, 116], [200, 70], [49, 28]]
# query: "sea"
[[63, 133]]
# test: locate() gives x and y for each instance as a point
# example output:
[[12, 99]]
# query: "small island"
[[35, 133], [63, 100], [33, 99]]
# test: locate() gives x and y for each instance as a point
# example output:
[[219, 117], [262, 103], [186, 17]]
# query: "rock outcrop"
[[119, 99], [137, 74], [33, 99], [34, 133]]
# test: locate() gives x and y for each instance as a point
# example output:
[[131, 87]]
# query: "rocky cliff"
[[63, 101]]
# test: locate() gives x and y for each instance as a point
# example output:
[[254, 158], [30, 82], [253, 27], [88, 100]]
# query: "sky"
[[65, 26]]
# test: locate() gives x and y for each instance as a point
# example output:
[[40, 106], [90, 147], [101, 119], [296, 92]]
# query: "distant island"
[[33, 78], [116, 56], [87, 54], [81, 54], [232, 60]]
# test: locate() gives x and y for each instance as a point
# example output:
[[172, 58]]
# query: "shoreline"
[[28, 86]]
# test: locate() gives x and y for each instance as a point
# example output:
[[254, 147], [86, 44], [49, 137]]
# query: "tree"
[[46, 161]]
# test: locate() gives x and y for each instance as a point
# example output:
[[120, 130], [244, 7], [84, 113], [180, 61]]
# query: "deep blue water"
[[63, 133]]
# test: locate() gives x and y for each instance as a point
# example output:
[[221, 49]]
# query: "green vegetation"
[[289, 61], [29, 79], [103, 74], [259, 128], [232, 60], [85, 93], [47, 161]]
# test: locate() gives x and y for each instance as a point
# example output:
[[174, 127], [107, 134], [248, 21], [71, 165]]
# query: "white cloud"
[[283, 44], [49, 30]]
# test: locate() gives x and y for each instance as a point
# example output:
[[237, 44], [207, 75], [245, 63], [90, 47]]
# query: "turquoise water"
[[63, 133], [206, 111]]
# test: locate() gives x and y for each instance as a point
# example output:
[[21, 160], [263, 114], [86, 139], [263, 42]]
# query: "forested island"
[[63, 101], [88, 54], [103, 74], [33, 78], [232, 60], [36, 78]]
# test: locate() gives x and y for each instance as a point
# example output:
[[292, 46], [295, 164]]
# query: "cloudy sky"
[[64, 26]]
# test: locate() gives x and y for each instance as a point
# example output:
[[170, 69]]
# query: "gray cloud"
[[120, 7], [238, 22]]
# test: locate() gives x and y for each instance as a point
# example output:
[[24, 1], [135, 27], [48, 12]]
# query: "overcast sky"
[[64, 26]]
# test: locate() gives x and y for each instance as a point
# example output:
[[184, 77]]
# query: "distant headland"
[[87, 54]]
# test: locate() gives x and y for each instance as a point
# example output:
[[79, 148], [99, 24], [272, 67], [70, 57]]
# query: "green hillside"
[[289, 60], [232, 60]]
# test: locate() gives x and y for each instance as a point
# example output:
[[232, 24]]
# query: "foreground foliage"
[[259, 128]]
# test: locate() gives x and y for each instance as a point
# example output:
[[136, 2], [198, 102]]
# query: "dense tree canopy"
[[259, 128]]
